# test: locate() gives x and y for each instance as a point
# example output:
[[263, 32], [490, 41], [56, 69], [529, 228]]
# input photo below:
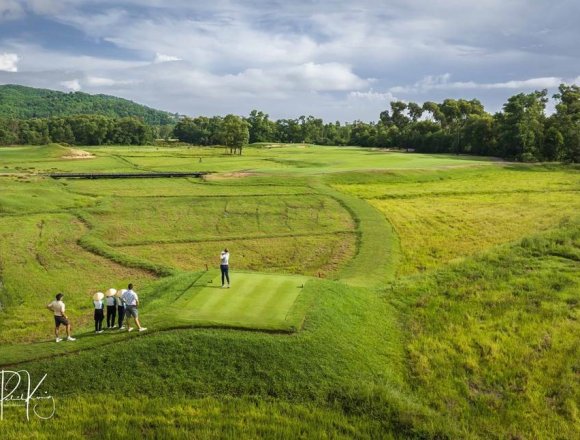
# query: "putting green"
[[254, 301]]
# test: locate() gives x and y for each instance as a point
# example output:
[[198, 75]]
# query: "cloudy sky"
[[339, 60]]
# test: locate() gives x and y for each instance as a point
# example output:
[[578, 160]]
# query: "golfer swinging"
[[224, 266]]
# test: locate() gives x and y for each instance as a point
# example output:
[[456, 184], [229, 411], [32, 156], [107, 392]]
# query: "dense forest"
[[21, 102], [520, 131]]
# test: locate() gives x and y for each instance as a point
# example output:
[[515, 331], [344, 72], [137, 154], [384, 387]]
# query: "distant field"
[[443, 215], [162, 219], [297, 160]]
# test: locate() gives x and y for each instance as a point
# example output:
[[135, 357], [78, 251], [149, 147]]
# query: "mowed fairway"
[[254, 301]]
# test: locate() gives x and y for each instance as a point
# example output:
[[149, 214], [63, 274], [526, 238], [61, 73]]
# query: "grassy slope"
[[320, 365], [493, 343], [105, 416], [377, 245], [461, 360]]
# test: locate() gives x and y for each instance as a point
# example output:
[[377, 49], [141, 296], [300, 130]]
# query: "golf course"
[[374, 293]]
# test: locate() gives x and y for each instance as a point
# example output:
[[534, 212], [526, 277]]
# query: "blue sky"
[[339, 60]]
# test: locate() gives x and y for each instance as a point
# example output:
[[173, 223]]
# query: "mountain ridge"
[[23, 102]]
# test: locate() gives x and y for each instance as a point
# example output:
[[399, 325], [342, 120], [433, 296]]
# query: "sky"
[[338, 60]]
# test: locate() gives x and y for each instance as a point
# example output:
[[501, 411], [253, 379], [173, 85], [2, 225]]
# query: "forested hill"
[[27, 102]]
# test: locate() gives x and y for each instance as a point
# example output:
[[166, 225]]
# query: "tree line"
[[76, 130], [520, 131]]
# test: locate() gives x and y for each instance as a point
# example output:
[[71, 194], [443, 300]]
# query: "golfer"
[[58, 308], [224, 266], [131, 301]]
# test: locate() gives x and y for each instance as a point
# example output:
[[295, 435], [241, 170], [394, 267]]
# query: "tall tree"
[[521, 126], [567, 121], [261, 128], [234, 133]]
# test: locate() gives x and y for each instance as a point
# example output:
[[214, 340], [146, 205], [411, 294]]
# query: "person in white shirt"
[[224, 267], [120, 309], [99, 315], [58, 308], [111, 308], [131, 301]]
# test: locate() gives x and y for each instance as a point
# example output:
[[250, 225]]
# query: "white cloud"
[[35, 58], [162, 58], [442, 82], [97, 81], [9, 62], [533, 83], [266, 82], [73, 84], [322, 77], [371, 95]]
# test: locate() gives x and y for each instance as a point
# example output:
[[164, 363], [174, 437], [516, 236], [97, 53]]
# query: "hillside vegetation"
[[22, 102]]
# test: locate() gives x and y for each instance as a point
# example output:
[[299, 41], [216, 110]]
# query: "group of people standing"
[[121, 305]]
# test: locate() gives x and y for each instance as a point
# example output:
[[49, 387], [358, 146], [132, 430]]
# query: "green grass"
[[305, 160], [377, 245], [493, 342], [442, 216], [263, 302], [24, 195], [127, 221], [186, 418], [182, 187], [449, 308], [305, 253], [39, 257], [254, 301], [320, 364]]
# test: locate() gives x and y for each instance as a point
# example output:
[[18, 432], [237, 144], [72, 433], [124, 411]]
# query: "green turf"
[[254, 301]]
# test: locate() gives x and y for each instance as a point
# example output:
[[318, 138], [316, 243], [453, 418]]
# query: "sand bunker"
[[74, 154]]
